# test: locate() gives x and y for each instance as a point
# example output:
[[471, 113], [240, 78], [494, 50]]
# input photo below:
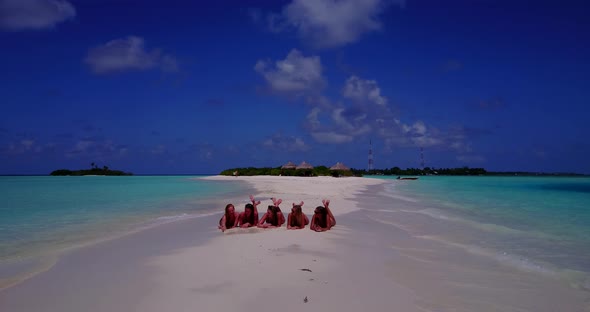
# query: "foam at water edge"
[[47, 261], [513, 260], [44, 264]]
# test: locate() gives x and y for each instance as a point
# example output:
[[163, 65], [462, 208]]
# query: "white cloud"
[[319, 101], [158, 149], [23, 146], [169, 64], [460, 146], [331, 137], [123, 150], [205, 151], [421, 135], [471, 158], [331, 23], [312, 118], [127, 54], [96, 148], [427, 141], [353, 125], [418, 128], [18, 15], [295, 74], [285, 143], [363, 91], [336, 126], [365, 111], [27, 144]]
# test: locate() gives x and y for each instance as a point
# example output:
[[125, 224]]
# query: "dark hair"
[[297, 218], [251, 219], [322, 219], [228, 218], [272, 218]]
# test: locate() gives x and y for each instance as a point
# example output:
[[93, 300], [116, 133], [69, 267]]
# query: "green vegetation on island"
[[325, 171], [315, 171], [94, 170], [395, 171]]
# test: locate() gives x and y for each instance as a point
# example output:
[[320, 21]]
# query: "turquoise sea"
[[40, 216], [537, 223]]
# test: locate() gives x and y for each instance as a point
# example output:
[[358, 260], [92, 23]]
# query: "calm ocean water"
[[540, 223], [42, 215]]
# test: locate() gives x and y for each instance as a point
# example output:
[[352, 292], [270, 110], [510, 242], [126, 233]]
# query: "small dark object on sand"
[[308, 270], [305, 299]]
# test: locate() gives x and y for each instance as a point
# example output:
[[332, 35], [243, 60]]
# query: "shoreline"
[[19, 268], [358, 265]]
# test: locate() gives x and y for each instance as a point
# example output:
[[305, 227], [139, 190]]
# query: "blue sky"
[[172, 87]]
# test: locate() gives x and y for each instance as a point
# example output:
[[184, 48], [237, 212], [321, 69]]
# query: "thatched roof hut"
[[304, 165], [289, 165], [339, 166]]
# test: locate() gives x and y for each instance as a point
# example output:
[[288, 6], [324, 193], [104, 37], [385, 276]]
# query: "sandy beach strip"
[[367, 262], [190, 265], [289, 270]]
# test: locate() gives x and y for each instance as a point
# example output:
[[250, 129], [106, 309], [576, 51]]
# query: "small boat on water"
[[411, 178]]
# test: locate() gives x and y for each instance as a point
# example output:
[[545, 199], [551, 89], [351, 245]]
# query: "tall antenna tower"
[[371, 165], [422, 158]]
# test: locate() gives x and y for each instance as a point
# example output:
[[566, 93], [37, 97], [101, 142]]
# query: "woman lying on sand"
[[249, 217], [273, 216], [229, 219], [296, 219], [322, 219]]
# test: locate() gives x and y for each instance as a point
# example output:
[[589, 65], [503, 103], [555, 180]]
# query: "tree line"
[[94, 170], [275, 171], [325, 171], [397, 171]]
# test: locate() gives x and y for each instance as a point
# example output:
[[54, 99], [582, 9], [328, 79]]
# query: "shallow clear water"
[[43, 214], [542, 222]]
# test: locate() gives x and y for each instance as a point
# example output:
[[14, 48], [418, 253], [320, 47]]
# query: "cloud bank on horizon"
[[294, 80]]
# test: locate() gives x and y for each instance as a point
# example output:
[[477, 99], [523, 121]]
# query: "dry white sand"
[[261, 269], [311, 190]]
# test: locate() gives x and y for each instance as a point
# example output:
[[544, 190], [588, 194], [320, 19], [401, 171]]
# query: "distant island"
[[315, 171], [94, 170], [395, 171]]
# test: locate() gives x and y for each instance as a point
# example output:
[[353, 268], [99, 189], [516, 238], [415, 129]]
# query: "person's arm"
[[331, 219], [236, 219], [289, 216], [281, 217], [261, 223], [241, 223], [255, 203], [222, 224], [306, 221], [313, 225], [255, 217]]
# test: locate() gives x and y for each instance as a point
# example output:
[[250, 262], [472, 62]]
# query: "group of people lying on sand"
[[322, 219]]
